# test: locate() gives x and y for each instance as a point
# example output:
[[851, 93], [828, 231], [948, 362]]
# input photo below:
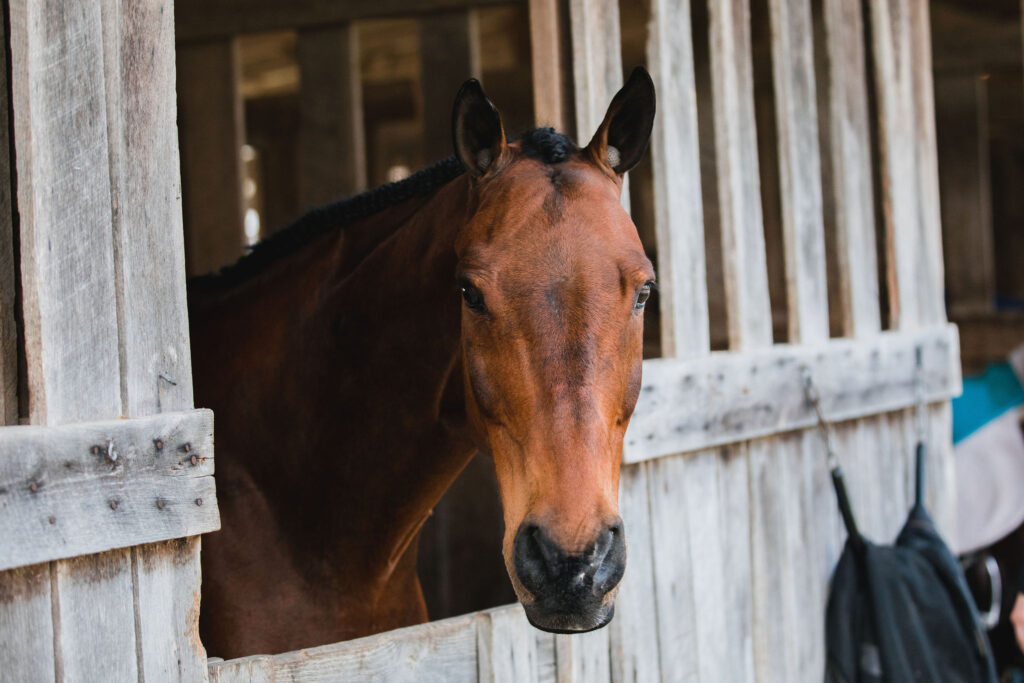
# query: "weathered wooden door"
[[99, 514]]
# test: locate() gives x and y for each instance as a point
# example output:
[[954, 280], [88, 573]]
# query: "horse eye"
[[472, 296], [642, 296]]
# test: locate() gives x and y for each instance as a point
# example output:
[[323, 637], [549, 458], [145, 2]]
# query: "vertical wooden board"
[[675, 157], [931, 292], [506, 646], [596, 65], [734, 522], [739, 201], [26, 624], [941, 494], [548, 70], [449, 54], [796, 119], [8, 331], [547, 665], [773, 551], [94, 603], [849, 164], [673, 560], [583, 658], [332, 148], [212, 129], [167, 577], [633, 632], [961, 102]]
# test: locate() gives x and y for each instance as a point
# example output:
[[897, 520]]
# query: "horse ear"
[[622, 137], [476, 129]]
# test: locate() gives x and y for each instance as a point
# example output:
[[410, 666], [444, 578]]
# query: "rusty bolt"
[[159, 444], [53, 520], [160, 503], [199, 501], [33, 487], [95, 450], [113, 505], [194, 460], [187, 447]]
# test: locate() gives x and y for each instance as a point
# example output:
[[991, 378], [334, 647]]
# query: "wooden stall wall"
[[732, 524], [100, 514]]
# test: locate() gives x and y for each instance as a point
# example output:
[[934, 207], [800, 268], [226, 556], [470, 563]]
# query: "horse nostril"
[[544, 568]]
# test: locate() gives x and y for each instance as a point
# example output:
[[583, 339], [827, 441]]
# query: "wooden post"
[[547, 42], [449, 54], [962, 109], [332, 148], [212, 130], [8, 268]]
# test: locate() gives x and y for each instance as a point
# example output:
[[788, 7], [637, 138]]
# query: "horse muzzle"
[[572, 592]]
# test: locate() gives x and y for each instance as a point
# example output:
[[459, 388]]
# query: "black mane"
[[545, 144]]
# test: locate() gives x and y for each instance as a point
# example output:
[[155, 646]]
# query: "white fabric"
[[989, 483]]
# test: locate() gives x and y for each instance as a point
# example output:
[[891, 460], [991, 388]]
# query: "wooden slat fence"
[[733, 527]]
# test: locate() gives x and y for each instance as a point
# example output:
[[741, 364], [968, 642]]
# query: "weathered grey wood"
[[437, 651], [93, 599], [547, 667], [739, 200], [962, 110], [506, 646], [675, 157], [167, 579], [76, 489], [449, 54], [583, 658], [546, 46], [26, 624], [796, 119], [849, 168], [212, 128], [332, 148], [735, 521], [199, 20], [688, 405], [633, 632], [8, 331]]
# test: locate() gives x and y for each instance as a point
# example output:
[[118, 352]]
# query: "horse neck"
[[350, 419]]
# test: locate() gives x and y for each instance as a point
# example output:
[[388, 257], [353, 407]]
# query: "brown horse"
[[351, 384]]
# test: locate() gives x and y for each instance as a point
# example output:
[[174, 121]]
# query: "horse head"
[[554, 281]]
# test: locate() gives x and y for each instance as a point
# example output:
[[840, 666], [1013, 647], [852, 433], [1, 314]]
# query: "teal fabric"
[[985, 397]]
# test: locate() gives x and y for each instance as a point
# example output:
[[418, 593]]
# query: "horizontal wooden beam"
[[728, 397], [89, 487], [203, 20]]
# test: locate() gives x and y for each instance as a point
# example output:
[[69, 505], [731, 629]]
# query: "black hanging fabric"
[[902, 612]]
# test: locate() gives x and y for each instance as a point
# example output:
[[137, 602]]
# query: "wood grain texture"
[[212, 128], [675, 158], [848, 163], [688, 405], [76, 489], [961, 102], [8, 269], [583, 658], [438, 651], [332, 148], [26, 624], [506, 646], [739, 193], [633, 633], [796, 119], [547, 25], [449, 54]]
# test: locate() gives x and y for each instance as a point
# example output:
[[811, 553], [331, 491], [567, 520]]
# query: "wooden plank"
[[583, 658], [76, 489], [437, 651], [796, 119], [734, 523], [506, 646], [547, 25], [688, 405], [8, 269], [962, 109], [212, 129], [26, 624], [739, 201], [633, 632], [198, 20], [675, 157], [94, 603], [449, 54], [849, 168], [332, 148], [547, 667]]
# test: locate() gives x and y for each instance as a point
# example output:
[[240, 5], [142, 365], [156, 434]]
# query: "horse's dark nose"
[[569, 589]]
